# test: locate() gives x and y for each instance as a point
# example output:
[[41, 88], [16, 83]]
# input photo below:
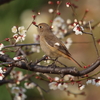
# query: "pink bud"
[[58, 2], [7, 39], [50, 2], [34, 23], [34, 16]]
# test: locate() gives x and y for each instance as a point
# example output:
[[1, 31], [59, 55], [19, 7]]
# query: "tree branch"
[[52, 70], [20, 45], [4, 1]]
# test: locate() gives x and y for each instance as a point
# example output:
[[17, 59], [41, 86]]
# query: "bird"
[[51, 45]]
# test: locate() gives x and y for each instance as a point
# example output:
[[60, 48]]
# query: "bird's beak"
[[36, 25]]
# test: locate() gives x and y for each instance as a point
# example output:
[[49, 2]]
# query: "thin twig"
[[93, 39], [81, 42], [73, 10], [43, 58], [75, 94], [41, 93], [38, 85], [86, 33], [29, 26], [18, 45]]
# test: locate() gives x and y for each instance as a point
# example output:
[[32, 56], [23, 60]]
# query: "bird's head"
[[43, 28]]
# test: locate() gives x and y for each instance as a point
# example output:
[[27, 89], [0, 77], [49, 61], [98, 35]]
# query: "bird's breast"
[[49, 50]]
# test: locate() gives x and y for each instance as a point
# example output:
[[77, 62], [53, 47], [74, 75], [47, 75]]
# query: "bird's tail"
[[75, 61], [70, 58]]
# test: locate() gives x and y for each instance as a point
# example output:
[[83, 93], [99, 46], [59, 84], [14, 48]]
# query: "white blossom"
[[57, 22], [98, 77], [21, 30], [62, 86], [68, 77], [47, 61], [16, 75], [20, 33], [35, 48], [75, 20], [18, 37], [2, 53], [14, 29], [78, 29], [38, 73], [68, 43], [20, 96], [82, 87], [29, 85], [97, 81], [18, 57], [65, 85], [88, 82], [20, 75], [59, 27], [15, 90], [84, 22], [94, 81], [36, 38], [70, 27], [11, 85], [1, 76], [58, 34], [18, 90], [50, 10], [19, 93], [53, 85], [68, 21], [56, 78], [68, 4], [1, 46], [1, 73]]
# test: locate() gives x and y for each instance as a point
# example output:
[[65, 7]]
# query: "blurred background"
[[20, 12]]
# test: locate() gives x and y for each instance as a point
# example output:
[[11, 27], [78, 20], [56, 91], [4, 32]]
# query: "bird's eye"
[[40, 26]]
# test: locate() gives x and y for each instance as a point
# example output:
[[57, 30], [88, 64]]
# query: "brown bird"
[[51, 45]]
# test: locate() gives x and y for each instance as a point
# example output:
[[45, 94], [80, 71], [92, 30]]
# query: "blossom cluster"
[[68, 43], [57, 84], [1, 47], [20, 33], [59, 27], [78, 29], [19, 93], [94, 81], [63, 84], [17, 75], [29, 85], [18, 58], [2, 71], [35, 48], [60, 86]]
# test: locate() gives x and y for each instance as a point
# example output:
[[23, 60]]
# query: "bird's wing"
[[53, 41]]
